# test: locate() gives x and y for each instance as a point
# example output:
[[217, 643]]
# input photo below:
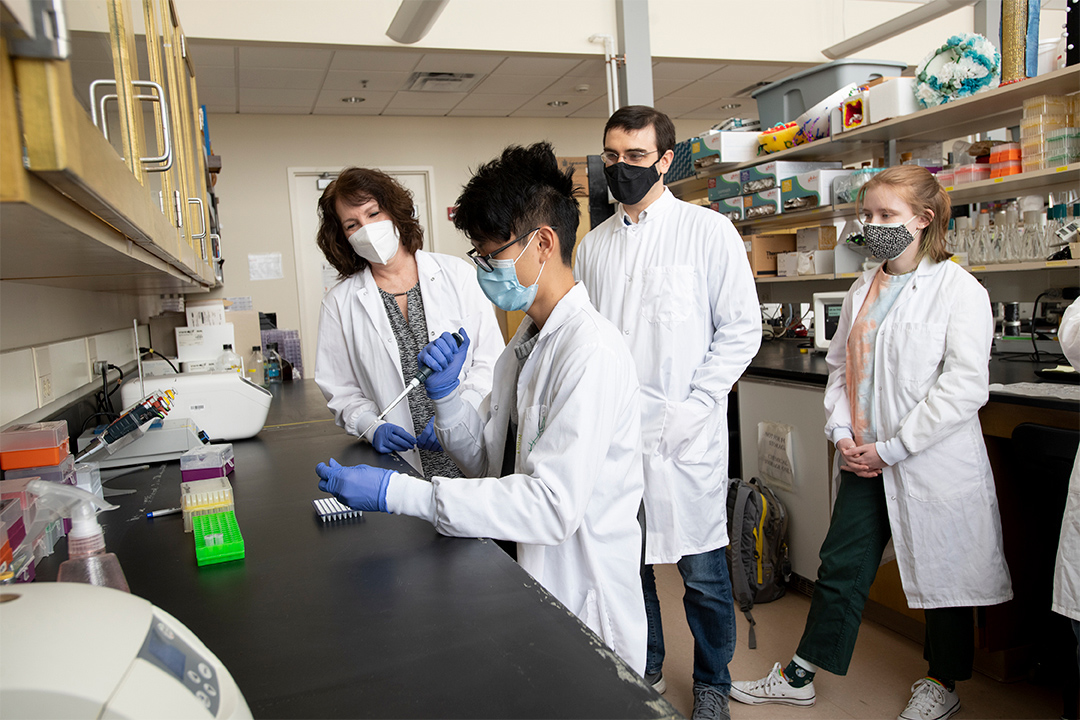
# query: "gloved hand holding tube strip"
[[363, 487]]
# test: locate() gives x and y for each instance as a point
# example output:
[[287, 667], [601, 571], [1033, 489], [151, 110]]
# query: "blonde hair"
[[919, 189]]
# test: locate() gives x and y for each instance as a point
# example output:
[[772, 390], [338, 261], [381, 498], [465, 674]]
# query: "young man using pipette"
[[552, 457]]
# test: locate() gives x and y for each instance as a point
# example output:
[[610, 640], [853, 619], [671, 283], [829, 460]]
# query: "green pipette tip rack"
[[217, 538]]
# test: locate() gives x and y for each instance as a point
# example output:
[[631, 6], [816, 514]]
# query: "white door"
[[314, 276]]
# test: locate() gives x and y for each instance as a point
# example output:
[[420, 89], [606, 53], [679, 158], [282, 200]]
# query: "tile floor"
[[878, 684]]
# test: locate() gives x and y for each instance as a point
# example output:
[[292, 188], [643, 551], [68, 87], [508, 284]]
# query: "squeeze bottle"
[[87, 560]]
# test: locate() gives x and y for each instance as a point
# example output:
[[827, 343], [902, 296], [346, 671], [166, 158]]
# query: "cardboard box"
[[203, 343], [762, 251], [246, 331], [771, 174], [822, 262], [205, 312], [725, 186], [892, 98], [815, 238], [718, 146], [787, 264], [762, 204], [731, 208], [163, 332], [810, 190]]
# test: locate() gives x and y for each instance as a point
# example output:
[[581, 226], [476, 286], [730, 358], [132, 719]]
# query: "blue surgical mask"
[[502, 287]]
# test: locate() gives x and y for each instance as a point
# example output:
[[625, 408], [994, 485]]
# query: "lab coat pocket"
[[533, 425], [949, 469], [917, 351], [595, 616], [668, 294]]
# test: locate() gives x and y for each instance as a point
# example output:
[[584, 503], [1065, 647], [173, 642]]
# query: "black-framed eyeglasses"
[[611, 157], [484, 261]]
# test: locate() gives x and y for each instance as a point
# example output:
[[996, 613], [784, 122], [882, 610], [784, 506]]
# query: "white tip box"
[[223, 405]]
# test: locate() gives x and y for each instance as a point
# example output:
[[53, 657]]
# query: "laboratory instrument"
[[424, 374], [224, 405], [827, 306], [161, 441], [131, 425], [79, 651]]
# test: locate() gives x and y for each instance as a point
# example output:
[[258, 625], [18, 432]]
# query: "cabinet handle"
[[97, 109], [202, 220]]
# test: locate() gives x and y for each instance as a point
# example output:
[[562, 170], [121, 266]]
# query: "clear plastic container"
[[1041, 125], [1003, 169], [1065, 141], [33, 436], [1045, 105], [966, 174], [202, 497], [16, 489], [1004, 152], [946, 178], [208, 461], [63, 473], [11, 516]]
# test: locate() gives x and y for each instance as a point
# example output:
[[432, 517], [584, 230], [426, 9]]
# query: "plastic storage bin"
[[965, 174], [1045, 105], [946, 178], [1003, 169], [788, 98], [63, 473], [34, 445], [1004, 153]]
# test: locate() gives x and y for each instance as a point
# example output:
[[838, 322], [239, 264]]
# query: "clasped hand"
[[361, 487], [863, 460]]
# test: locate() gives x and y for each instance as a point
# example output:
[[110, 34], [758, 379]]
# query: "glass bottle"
[[229, 361], [272, 364], [256, 372]]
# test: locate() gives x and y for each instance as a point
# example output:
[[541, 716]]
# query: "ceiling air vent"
[[442, 82]]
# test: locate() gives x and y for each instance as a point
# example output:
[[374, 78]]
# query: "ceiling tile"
[[714, 111], [506, 103], [351, 110], [375, 60], [218, 96], [662, 88], [205, 54], [458, 112], [708, 89], [675, 107], [430, 112], [514, 84], [216, 77], [566, 87], [538, 107], [478, 63], [596, 109], [529, 65], [332, 99], [589, 68], [674, 70], [265, 97], [747, 73], [364, 81], [285, 78], [284, 57], [424, 100], [273, 110]]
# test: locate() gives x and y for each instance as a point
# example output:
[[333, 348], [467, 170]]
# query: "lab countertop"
[[373, 617], [782, 360]]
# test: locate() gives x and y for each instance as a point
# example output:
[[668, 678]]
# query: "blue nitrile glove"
[[445, 357], [427, 439], [361, 487], [390, 438]]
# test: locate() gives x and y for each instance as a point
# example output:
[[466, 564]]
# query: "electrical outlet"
[[45, 391]]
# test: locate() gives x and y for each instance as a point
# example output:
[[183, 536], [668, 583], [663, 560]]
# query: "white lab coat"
[[1066, 599], [357, 365], [931, 376], [678, 285], [572, 502]]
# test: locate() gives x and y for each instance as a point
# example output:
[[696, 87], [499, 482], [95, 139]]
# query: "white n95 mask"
[[376, 242]]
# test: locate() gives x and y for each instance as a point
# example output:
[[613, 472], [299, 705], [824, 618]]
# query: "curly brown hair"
[[356, 186]]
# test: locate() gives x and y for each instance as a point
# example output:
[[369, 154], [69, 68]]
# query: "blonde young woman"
[[908, 372]]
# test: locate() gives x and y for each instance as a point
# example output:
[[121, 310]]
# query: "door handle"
[[202, 219], [97, 109]]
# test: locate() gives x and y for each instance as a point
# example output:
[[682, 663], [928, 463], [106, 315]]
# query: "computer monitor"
[[826, 317]]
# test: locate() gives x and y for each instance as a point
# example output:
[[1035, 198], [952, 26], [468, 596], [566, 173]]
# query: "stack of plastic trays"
[[1005, 160], [15, 555], [217, 538], [34, 445], [204, 497], [1062, 147], [1042, 114], [208, 461]]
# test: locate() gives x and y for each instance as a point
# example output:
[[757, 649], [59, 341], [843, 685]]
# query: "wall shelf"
[[974, 270]]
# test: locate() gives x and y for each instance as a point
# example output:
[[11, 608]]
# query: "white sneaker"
[[930, 700], [773, 688]]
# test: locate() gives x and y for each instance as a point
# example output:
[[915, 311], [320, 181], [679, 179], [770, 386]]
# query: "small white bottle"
[[256, 373], [228, 361]]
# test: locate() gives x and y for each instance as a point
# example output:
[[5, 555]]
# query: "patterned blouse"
[[411, 338]]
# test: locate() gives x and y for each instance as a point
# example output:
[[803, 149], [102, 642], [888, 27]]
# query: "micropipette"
[[424, 374]]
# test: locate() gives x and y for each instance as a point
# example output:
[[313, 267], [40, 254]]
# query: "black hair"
[[521, 189], [638, 117]]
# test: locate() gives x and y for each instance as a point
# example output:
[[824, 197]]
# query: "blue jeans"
[[710, 613]]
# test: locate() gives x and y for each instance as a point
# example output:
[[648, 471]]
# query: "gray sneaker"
[[656, 679], [710, 703]]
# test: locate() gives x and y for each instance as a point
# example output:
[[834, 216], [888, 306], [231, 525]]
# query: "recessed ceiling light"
[[730, 106], [557, 103], [352, 99]]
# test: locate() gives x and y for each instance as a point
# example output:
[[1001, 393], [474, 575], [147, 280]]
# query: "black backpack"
[[758, 553]]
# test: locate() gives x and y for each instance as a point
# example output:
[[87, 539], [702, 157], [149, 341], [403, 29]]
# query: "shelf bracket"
[[891, 157]]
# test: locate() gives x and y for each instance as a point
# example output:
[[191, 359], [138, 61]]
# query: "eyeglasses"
[[632, 156], [484, 261]]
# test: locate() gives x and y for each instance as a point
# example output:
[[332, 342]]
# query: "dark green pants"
[[850, 556]]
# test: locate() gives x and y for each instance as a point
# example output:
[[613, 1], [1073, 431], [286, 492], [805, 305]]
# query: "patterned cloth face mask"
[[887, 241]]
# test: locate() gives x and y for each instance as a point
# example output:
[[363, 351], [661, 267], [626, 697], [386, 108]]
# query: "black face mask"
[[630, 183]]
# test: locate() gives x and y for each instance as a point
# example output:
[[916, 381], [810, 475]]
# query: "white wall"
[[257, 150]]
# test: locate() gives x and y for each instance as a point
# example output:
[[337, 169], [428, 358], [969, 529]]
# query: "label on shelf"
[[1057, 263], [976, 268]]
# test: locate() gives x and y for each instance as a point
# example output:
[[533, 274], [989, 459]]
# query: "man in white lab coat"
[[552, 457], [675, 280]]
